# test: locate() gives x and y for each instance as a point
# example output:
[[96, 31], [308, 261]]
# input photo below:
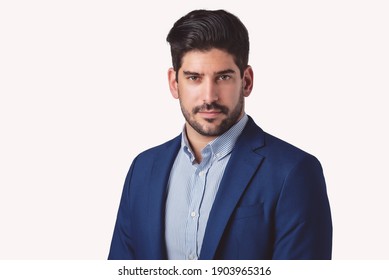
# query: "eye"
[[224, 77], [192, 78]]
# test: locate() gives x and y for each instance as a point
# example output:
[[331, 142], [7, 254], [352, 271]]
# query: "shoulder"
[[275, 145], [275, 150], [165, 149], [287, 157], [161, 155]]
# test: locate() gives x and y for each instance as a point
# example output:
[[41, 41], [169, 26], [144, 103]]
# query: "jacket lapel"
[[157, 198], [242, 165]]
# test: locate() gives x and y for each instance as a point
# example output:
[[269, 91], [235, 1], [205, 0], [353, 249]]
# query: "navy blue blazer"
[[272, 204]]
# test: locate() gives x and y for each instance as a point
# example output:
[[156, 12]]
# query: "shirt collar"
[[220, 146]]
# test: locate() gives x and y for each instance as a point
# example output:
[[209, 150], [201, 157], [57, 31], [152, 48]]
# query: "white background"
[[83, 90]]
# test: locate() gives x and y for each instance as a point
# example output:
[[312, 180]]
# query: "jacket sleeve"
[[122, 244], [303, 226]]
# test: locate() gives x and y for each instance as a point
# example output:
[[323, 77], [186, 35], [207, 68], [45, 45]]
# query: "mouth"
[[210, 114], [210, 111]]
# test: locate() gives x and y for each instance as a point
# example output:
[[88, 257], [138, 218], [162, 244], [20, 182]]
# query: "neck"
[[197, 141]]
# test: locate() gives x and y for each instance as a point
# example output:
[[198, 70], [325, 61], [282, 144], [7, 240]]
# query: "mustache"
[[210, 106]]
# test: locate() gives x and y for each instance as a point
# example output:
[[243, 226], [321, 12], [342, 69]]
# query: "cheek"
[[188, 95], [231, 96]]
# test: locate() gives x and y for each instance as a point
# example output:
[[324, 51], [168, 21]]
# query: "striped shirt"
[[192, 190]]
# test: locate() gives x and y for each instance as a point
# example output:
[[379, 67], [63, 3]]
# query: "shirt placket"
[[199, 180]]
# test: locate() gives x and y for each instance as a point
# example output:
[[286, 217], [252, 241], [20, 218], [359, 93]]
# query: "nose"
[[210, 91]]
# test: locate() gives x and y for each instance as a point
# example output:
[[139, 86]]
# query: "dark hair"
[[203, 30]]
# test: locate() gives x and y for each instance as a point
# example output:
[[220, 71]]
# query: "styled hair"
[[203, 30]]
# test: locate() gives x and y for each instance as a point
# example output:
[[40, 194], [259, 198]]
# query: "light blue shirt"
[[192, 190]]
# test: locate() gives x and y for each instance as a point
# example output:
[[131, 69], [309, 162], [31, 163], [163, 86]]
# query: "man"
[[224, 188]]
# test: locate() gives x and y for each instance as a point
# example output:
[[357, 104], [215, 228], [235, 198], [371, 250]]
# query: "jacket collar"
[[160, 173], [245, 160], [243, 164]]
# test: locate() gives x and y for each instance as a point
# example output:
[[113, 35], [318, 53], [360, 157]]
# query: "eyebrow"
[[190, 73], [222, 72], [227, 71]]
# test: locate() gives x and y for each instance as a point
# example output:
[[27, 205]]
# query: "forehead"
[[210, 60]]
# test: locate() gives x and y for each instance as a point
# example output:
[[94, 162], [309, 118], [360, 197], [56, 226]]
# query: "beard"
[[207, 129]]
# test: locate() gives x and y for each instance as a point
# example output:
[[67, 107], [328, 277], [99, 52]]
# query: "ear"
[[248, 81], [173, 85]]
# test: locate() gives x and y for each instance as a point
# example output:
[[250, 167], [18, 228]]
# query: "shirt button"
[[192, 257], [201, 174], [193, 214]]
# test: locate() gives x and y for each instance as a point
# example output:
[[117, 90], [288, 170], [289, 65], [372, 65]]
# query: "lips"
[[211, 109], [210, 114]]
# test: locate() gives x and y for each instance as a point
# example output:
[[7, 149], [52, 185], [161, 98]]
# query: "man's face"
[[211, 91]]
